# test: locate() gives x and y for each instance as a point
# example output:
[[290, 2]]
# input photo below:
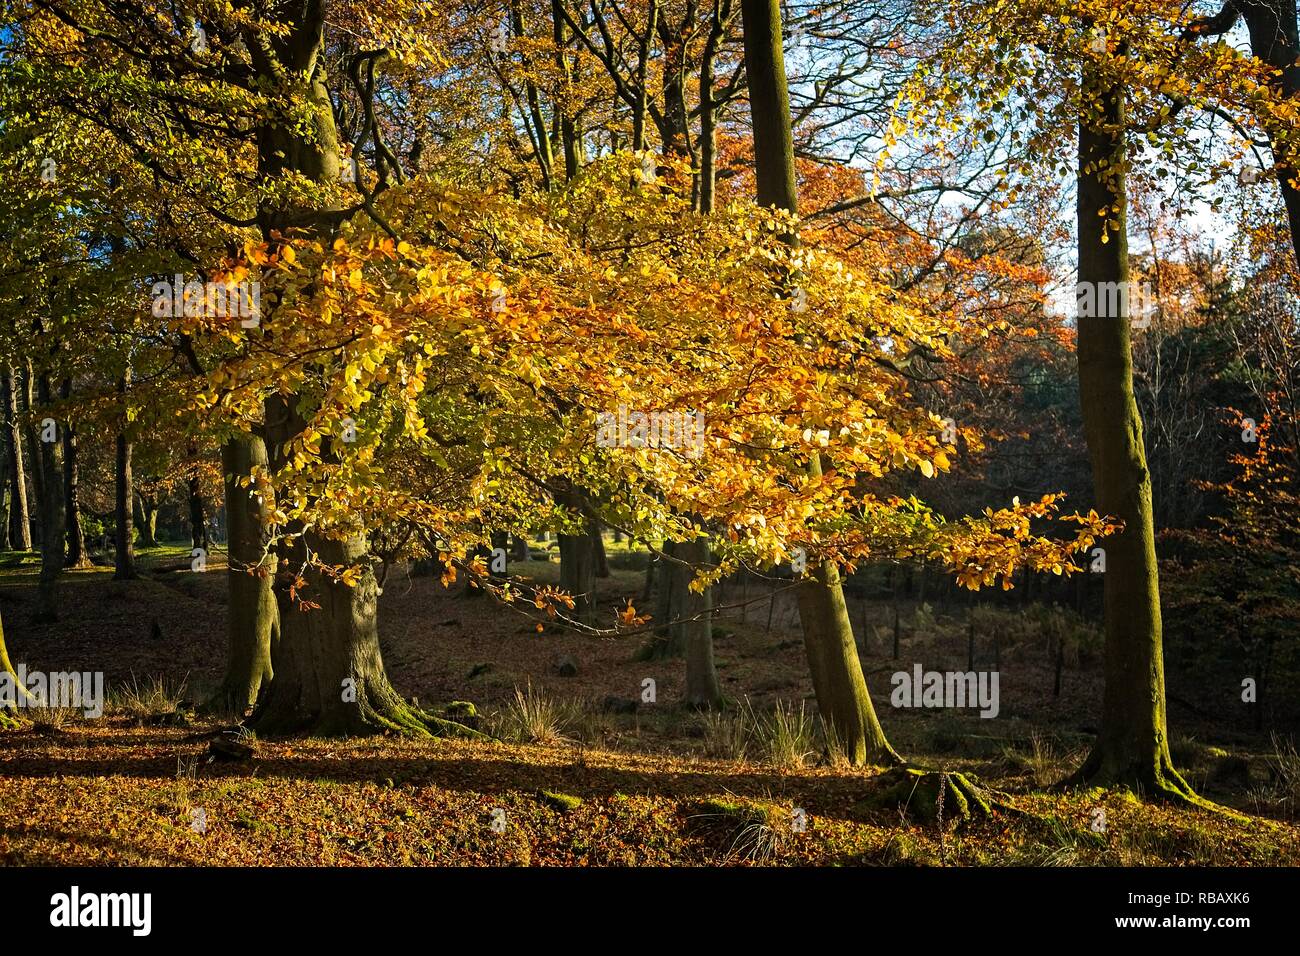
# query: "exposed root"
[[933, 795], [401, 719], [1155, 783]]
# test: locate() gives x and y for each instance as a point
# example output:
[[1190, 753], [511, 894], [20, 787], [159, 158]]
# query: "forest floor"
[[598, 775]]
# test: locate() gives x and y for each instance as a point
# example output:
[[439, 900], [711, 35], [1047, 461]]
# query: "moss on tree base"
[[932, 795], [1154, 782], [356, 721]]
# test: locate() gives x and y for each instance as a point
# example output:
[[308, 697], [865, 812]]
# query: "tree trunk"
[[1132, 749], [569, 138], [124, 545], [598, 548], [696, 629], [644, 43], [77, 556], [27, 400], [841, 690], [52, 515], [198, 509], [842, 697], [675, 130], [329, 676], [148, 520], [541, 142], [669, 591], [253, 623], [1274, 40], [5, 544], [7, 667], [20, 529], [708, 108], [328, 672], [578, 574], [651, 573]]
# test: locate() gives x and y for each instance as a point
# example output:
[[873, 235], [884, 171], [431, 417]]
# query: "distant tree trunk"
[[147, 520], [598, 546], [578, 574], [651, 573], [1274, 40], [5, 544], [52, 515], [253, 623], [124, 545], [708, 107], [569, 138], [77, 556], [20, 529], [841, 690], [644, 43], [668, 605], [198, 510], [541, 142], [1132, 749], [27, 399], [675, 130], [696, 630]]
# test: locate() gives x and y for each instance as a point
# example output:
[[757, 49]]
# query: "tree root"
[[933, 796], [1159, 783], [402, 719]]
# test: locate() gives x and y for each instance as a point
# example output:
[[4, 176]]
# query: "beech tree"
[[434, 349], [1111, 71]]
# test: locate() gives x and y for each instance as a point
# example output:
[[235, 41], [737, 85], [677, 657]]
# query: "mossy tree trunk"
[[253, 622], [328, 673], [1132, 749], [842, 696], [7, 667], [328, 676]]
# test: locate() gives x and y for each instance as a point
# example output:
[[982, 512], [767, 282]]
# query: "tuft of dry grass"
[[533, 718], [156, 697], [786, 735]]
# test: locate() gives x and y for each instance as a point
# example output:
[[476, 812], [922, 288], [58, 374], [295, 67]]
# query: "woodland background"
[[367, 589]]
